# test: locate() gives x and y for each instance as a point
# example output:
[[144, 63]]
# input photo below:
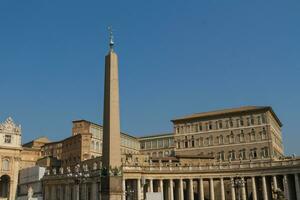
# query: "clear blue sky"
[[176, 58]]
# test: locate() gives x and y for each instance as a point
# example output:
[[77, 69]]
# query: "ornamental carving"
[[116, 171], [10, 127]]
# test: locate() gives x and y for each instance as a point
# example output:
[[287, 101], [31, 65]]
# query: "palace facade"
[[227, 154], [14, 157]]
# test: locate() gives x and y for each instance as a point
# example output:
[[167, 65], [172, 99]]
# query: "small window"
[[220, 124], [7, 139], [231, 123], [5, 165], [193, 143], [200, 127], [252, 121], [241, 122], [186, 144], [258, 120], [209, 127]]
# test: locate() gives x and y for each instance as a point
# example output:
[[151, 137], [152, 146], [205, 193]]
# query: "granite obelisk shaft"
[[111, 184]]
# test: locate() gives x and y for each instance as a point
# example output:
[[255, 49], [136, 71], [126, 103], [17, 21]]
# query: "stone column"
[[61, 191], [139, 189], [264, 187], [212, 189], [151, 185], [201, 189], [275, 182], [254, 188], [76, 192], [83, 191], [286, 187], [297, 186], [124, 189], [243, 189], [47, 192], [222, 189], [161, 186], [53, 192], [181, 194], [191, 189], [94, 190], [232, 189], [67, 195], [171, 193]]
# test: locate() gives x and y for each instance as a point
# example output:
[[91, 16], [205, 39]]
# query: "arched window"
[[5, 165]]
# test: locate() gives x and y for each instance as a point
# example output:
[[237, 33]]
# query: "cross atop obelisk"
[[111, 186], [111, 38]]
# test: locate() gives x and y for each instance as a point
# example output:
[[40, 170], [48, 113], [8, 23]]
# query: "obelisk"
[[111, 181]]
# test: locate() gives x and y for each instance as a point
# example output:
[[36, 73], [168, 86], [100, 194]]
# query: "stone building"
[[84, 143], [195, 170], [14, 156], [161, 145], [10, 158], [233, 134]]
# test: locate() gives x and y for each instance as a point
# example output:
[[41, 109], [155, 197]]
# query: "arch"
[[4, 186]]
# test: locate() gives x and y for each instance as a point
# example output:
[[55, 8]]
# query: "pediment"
[[9, 126]]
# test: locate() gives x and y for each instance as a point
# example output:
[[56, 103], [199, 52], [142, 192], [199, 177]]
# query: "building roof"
[[42, 139], [223, 112], [83, 120], [155, 135]]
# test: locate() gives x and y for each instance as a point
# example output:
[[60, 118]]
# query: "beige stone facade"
[[190, 171], [230, 135]]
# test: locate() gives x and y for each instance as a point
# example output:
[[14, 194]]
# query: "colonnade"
[[264, 187], [184, 187], [74, 191]]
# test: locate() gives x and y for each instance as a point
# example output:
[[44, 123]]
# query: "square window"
[[7, 139]]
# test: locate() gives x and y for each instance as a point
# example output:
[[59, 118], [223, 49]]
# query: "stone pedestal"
[[111, 188]]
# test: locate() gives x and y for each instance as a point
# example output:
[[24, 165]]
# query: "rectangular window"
[[160, 143], [253, 153], [200, 127], [166, 142], [252, 121], [248, 121], [148, 145], [231, 123], [241, 122], [220, 124], [258, 120], [171, 142], [7, 139], [242, 154], [154, 144], [238, 123]]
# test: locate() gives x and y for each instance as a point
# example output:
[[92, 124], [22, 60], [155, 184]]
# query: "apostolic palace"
[[228, 154]]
